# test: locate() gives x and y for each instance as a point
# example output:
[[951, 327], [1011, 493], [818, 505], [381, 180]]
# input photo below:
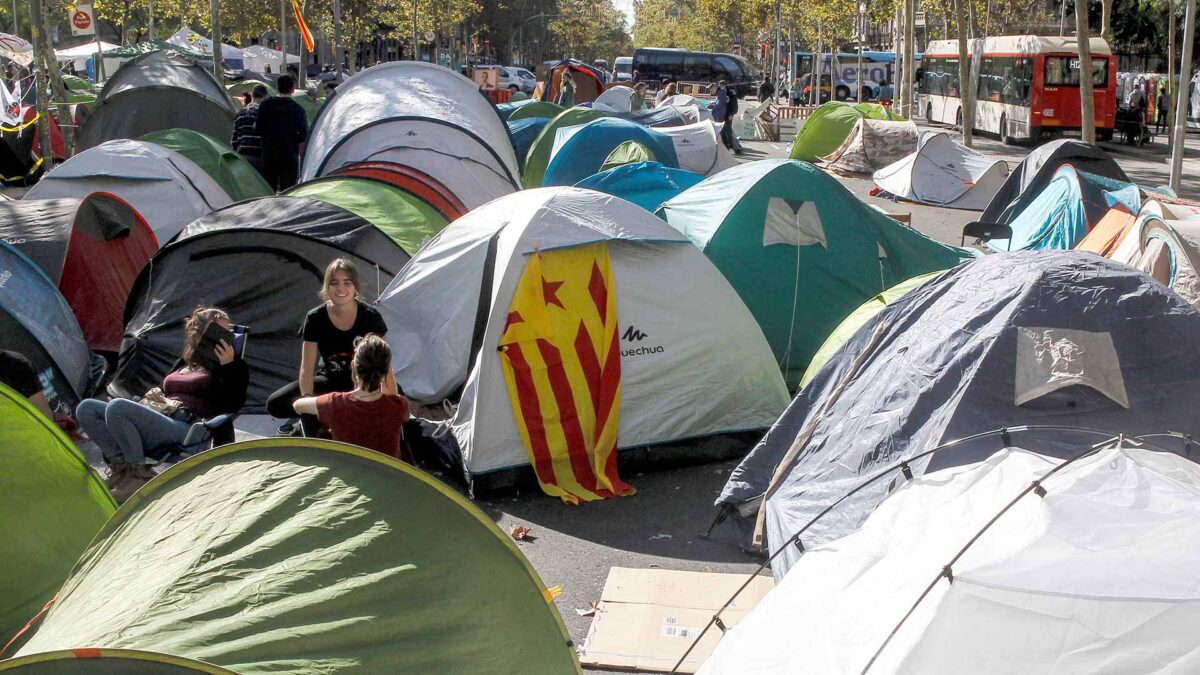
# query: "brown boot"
[[134, 478], [117, 471]]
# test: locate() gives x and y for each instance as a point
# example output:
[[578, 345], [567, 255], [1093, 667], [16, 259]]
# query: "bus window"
[[1019, 84], [698, 67], [1063, 71], [725, 68], [950, 77]]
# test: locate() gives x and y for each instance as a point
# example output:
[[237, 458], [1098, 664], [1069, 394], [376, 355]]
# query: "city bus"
[[1026, 86], [877, 68]]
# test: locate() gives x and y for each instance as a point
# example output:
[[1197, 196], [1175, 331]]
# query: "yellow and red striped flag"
[[562, 364], [305, 33]]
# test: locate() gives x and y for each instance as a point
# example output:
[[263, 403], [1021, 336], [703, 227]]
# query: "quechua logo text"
[[634, 337]]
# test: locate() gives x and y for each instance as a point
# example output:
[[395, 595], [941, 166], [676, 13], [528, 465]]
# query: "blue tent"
[[584, 152], [1061, 214], [647, 184], [36, 322], [666, 116], [523, 133]]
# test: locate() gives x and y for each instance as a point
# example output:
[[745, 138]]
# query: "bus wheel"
[[958, 119], [843, 92], [1104, 135], [1005, 138], [928, 112]]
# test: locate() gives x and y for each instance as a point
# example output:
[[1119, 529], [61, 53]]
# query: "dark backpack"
[[731, 107]]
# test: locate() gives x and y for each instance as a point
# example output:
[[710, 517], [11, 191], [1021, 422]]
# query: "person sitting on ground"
[[17, 373], [283, 126], [372, 415], [329, 331], [566, 90], [125, 430], [246, 141]]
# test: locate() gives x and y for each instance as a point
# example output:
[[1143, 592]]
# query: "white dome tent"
[[166, 188], [1095, 572], [418, 115], [943, 172], [693, 361], [699, 148]]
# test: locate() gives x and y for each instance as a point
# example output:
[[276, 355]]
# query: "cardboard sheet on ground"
[[647, 618]]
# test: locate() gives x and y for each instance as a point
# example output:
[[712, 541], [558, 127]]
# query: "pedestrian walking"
[[1162, 107], [246, 141], [282, 126]]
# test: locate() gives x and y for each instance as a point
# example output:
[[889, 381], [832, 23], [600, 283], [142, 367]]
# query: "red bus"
[[1027, 86]]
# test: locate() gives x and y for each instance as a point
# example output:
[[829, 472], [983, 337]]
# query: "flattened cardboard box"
[[647, 619]]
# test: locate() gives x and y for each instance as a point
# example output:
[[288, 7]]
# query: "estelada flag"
[[305, 33], [562, 364]]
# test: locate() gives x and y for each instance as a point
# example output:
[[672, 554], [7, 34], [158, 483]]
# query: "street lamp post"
[[1181, 97]]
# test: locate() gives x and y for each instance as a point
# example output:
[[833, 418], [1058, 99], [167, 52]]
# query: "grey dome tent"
[[309, 217], [266, 280], [1029, 338], [302, 556], [156, 91], [36, 322], [1039, 167], [419, 115]]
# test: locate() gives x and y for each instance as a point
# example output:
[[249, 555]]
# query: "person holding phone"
[[371, 415], [329, 331], [209, 380]]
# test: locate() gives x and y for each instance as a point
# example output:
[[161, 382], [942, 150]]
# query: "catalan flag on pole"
[[305, 33], [562, 363]]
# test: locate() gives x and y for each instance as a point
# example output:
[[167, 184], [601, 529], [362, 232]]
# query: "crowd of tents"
[[760, 307]]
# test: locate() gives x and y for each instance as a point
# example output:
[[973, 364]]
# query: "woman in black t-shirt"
[[329, 331]]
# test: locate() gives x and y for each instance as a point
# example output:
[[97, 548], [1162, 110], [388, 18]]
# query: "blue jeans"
[[125, 429]]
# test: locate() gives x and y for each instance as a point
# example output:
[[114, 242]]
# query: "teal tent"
[[1061, 213], [523, 133], [53, 504], [543, 145], [581, 151], [303, 555], [647, 184], [230, 170], [800, 249]]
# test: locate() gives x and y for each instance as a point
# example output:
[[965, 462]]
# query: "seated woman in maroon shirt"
[[373, 413], [126, 429]]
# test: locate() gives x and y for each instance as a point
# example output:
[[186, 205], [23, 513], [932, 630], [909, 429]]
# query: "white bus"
[[1026, 85]]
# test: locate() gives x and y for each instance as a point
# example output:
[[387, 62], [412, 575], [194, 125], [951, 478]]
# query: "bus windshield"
[[1063, 71]]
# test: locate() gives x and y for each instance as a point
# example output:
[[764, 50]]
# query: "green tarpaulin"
[[311, 105], [403, 217], [850, 325], [800, 249], [147, 46], [629, 152], [238, 88], [302, 555], [829, 125], [232, 172], [539, 153], [52, 503]]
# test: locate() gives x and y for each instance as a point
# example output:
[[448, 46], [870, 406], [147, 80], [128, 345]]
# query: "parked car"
[[514, 79]]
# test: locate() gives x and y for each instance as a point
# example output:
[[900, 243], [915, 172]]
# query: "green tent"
[[536, 109], [850, 325], [800, 249], [53, 504], [539, 153], [829, 125], [405, 218], [629, 152], [311, 105], [303, 555], [147, 46], [230, 170], [92, 661], [79, 90], [518, 96], [238, 88]]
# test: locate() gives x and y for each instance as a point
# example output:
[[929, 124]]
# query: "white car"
[[527, 80]]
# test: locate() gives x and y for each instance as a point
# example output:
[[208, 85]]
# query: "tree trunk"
[[337, 39], [901, 49], [964, 76], [1087, 101], [910, 44], [1106, 19], [1172, 89]]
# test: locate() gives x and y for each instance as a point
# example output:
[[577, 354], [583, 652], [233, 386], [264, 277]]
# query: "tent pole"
[[1181, 97]]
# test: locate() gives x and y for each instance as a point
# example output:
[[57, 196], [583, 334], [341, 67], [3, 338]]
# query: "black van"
[[653, 64]]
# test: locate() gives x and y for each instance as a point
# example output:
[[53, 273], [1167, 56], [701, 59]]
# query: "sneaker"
[[290, 428]]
